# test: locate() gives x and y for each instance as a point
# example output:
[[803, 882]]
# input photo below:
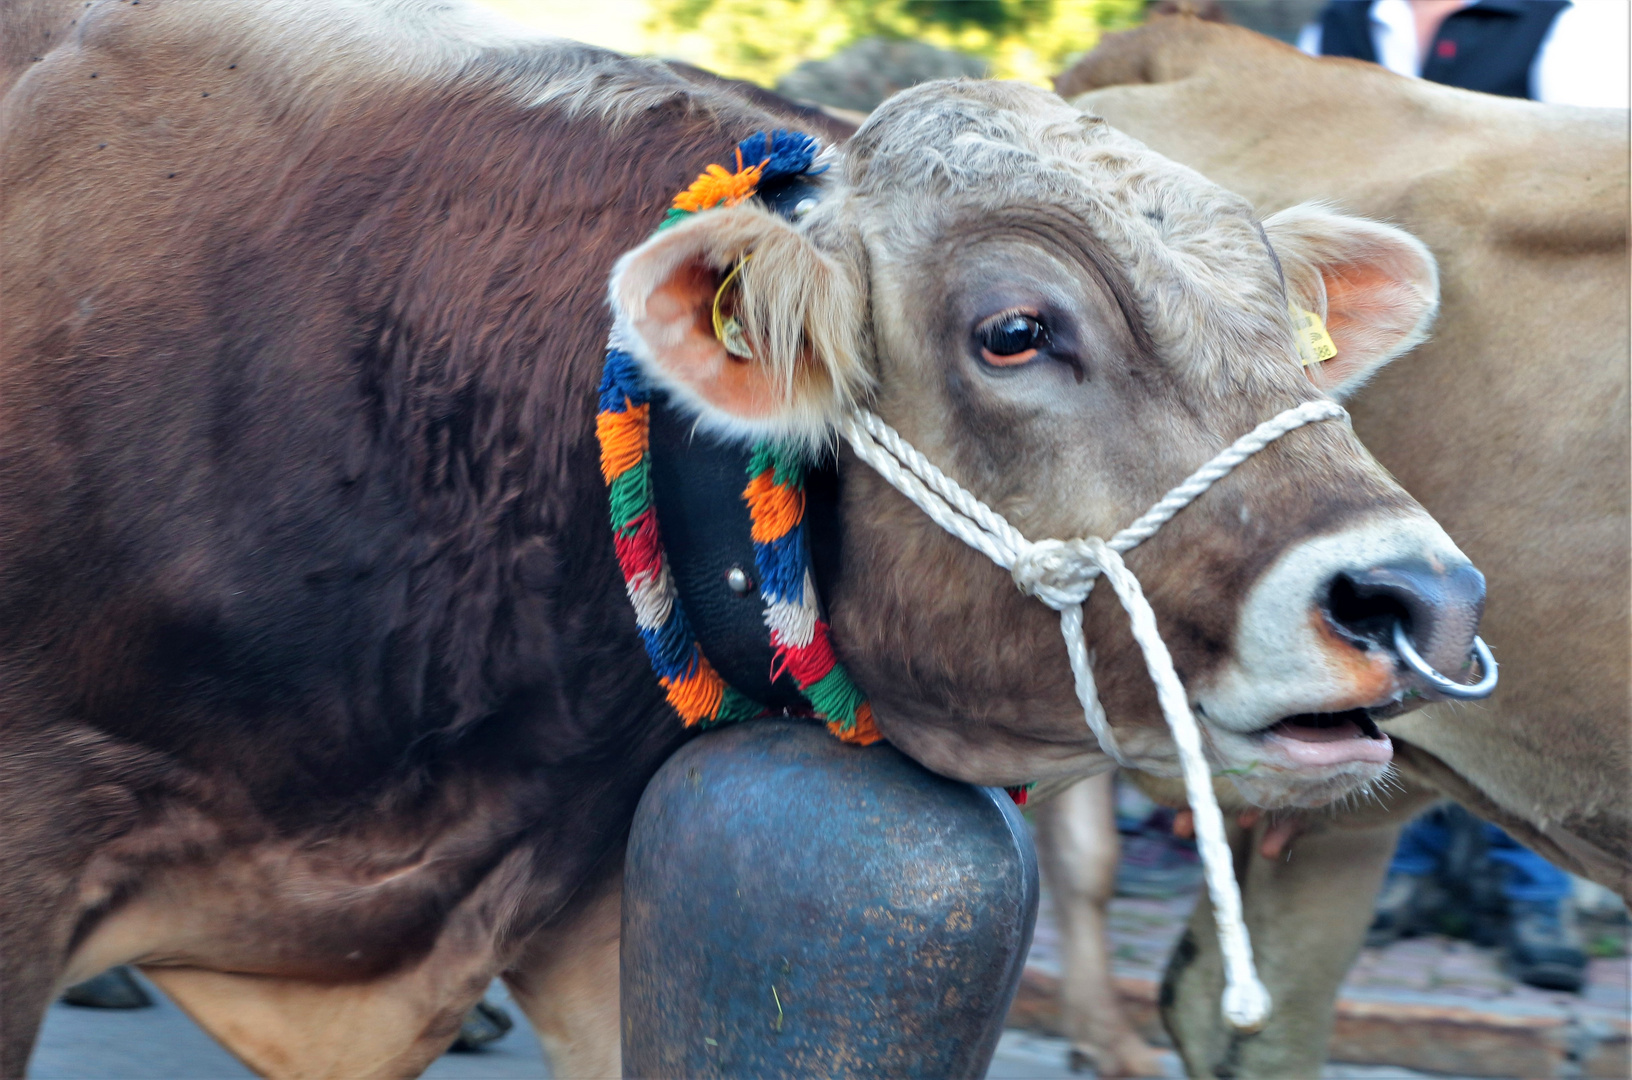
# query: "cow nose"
[[1438, 610]]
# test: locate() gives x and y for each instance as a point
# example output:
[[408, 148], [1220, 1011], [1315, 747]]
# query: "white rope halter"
[[1061, 573]]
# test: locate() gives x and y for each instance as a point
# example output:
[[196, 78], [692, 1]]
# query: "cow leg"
[[36, 923], [1077, 850], [393, 1026], [566, 981], [33, 940], [1307, 913], [57, 804]]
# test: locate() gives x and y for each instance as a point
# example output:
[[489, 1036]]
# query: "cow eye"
[[1010, 339]]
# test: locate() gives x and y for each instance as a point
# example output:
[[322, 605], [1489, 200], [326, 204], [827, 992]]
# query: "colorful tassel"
[[716, 187]]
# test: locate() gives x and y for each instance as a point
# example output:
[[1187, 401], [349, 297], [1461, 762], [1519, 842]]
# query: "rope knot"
[[1057, 572]]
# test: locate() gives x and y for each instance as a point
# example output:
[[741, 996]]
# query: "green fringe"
[[836, 697], [630, 495], [736, 707], [787, 461], [673, 217]]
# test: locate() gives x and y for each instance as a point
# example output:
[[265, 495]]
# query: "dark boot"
[[1405, 908], [1473, 907], [1544, 947], [485, 1023], [115, 988]]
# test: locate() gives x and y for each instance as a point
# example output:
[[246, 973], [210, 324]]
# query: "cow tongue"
[[1330, 743]]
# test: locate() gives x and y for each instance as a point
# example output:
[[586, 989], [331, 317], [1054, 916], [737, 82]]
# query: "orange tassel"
[[863, 733], [696, 695], [623, 439], [776, 509], [716, 187]]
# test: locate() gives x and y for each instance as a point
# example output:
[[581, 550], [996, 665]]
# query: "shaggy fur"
[[304, 575]]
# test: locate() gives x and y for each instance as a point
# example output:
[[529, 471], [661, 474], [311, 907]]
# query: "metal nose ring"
[[1413, 660]]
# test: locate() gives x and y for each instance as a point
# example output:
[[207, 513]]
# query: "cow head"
[[1069, 324]]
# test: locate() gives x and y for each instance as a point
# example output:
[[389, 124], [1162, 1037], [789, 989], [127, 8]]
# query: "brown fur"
[[289, 436]]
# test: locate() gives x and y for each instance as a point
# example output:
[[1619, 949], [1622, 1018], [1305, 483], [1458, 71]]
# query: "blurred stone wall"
[[1277, 18], [857, 78], [861, 76]]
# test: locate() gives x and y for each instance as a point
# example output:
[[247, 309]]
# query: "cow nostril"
[[1437, 609], [1364, 614]]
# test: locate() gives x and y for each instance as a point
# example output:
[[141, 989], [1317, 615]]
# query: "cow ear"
[[1375, 287], [746, 322]]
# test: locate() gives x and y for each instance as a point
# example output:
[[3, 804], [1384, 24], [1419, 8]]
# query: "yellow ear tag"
[[1314, 343], [729, 330]]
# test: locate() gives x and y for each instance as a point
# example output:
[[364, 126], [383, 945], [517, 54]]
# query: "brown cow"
[[321, 697], [1511, 424]]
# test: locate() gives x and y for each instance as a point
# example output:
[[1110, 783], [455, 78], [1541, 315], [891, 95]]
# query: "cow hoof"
[[1130, 1057], [115, 988], [484, 1024], [795, 906]]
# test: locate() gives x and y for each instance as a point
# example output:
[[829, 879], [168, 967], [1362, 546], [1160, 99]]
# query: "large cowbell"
[[795, 907]]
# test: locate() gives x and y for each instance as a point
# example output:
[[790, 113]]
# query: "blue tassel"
[[621, 379], [790, 153], [670, 646], [781, 564]]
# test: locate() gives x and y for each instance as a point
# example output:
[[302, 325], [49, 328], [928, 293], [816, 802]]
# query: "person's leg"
[[1421, 846], [1543, 946], [115, 988], [1530, 878], [1407, 896]]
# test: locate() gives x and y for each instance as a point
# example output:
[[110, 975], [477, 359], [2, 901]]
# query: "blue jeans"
[[1529, 877]]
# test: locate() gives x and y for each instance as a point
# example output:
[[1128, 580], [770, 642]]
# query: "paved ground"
[[1144, 931], [161, 1043], [1429, 1003]]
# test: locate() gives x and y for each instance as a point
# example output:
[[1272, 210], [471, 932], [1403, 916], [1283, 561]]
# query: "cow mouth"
[[1335, 738]]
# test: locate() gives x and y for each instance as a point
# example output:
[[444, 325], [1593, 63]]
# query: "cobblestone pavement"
[[163, 1044], [1420, 1000], [1143, 932]]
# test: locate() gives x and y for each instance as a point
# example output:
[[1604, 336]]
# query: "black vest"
[[1490, 46]]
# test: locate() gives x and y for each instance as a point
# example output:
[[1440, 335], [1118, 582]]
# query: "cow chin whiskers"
[[1344, 787]]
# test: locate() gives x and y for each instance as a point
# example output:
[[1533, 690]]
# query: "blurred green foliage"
[[760, 40]]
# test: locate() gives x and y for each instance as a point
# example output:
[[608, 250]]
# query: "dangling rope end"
[[1247, 1004]]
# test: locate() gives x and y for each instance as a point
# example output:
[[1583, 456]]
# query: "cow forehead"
[[1008, 141], [1192, 254]]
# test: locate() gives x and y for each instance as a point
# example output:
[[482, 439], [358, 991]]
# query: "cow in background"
[[1510, 423]]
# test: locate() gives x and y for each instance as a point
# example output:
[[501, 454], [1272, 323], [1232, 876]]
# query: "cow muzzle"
[[1342, 632]]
